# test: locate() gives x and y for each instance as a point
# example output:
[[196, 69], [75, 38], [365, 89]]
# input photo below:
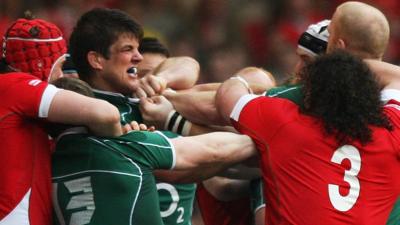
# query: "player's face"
[[118, 72], [149, 63], [303, 59], [56, 71]]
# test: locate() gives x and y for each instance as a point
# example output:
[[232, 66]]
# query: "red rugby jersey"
[[25, 188], [308, 178], [216, 212]]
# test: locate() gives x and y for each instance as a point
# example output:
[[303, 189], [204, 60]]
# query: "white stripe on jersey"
[[19, 215], [172, 149], [240, 104], [388, 94], [46, 100]]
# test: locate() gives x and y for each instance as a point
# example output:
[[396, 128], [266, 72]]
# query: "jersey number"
[[82, 198], [345, 203], [174, 203]]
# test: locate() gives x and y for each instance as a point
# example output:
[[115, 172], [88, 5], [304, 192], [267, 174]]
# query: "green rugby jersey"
[[176, 200], [128, 107], [293, 92], [257, 200], [106, 181], [394, 218]]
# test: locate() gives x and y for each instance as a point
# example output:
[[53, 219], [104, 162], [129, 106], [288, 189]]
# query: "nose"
[[137, 57]]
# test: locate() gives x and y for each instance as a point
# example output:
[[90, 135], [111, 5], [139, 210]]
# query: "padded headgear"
[[315, 39], [33, 46]]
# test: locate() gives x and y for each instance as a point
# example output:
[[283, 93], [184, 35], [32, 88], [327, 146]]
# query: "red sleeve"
[[261, 117], [28, 96], [392, 110]]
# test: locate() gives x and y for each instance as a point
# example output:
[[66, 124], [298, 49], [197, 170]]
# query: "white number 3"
[[345, 203]]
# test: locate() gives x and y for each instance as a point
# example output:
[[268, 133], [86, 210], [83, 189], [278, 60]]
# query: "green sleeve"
[[257, 200], [394, 218], [290, 92], [149, 148]]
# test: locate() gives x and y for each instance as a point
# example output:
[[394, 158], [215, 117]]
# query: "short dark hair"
[[342, 91], [97, 30], [153, 45]]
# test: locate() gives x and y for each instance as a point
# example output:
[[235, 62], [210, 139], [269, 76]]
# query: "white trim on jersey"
[[46, 100], [99, 171], [73, 130], [172, 149], [240, 104], [388, 94], [20, 214], [283, 91], [259, 207], [108, 93], [130, 100]]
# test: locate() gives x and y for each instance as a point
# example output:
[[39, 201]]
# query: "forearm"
[[240, 171], [105, 125], [388, 74], [179, 72], [180, 125], [218, 149], [186, 176], [198, 107], [99, 116], [204, 87]]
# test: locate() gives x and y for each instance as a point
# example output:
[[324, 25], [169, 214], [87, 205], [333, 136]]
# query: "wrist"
[[177, 124]]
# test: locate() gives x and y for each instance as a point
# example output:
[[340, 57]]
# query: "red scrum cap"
[[33, 46]]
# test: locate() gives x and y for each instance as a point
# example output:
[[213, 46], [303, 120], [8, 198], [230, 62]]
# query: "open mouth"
[[132, 72]]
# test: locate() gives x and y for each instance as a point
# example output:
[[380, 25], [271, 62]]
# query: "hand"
[[151, 85], [155, 110], [136, 126]]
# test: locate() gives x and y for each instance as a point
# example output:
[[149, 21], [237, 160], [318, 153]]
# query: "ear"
[[95, 60], [341, 44]]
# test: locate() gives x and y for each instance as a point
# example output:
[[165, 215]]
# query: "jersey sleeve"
[[257, 200], [151, 148], [290, 92], [392, 110], [31, 97], [261, 117]]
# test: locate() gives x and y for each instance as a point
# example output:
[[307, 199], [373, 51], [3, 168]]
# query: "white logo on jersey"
[[34, 82], [84, 198]]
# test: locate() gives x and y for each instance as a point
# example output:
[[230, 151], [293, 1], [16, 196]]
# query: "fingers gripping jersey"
[[101, 181], [25, 188], [308, 178], [176, 200]]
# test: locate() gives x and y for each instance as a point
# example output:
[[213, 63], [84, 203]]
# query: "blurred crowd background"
[[223, 35]]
